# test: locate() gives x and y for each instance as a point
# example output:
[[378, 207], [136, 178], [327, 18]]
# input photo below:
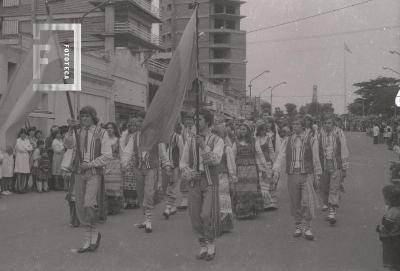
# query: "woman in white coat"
[[22, 166]]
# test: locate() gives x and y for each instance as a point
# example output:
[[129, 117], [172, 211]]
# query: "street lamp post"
[[272, 88], [250, 85], [394, 52], [390, 69]]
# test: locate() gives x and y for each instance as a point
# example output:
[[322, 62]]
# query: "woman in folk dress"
[[247, 198], [112, 173]]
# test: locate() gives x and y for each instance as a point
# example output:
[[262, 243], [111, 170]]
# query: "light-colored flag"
[[347, 48], [164, 110], [21, 99]]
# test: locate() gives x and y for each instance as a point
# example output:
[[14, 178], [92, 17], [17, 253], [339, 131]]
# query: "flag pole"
[[71, 111], [197, 85], [344, 78]]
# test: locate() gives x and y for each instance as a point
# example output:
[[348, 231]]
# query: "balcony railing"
[[156, 66], [142, 33], [148, 7]]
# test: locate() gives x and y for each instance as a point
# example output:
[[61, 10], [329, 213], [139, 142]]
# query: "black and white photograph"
[[218, 135]]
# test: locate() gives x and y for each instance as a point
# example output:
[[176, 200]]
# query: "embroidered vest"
[[306, 156]]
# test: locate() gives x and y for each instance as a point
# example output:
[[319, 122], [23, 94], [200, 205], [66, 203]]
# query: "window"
[[218, 23], [10, 27], [221, 53], [221, 38], [218, 8], [10, 3], [230, 24], [230, 9], [169, 7], [221, 68]]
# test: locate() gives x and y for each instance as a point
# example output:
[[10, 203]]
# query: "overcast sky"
[[302, 62]]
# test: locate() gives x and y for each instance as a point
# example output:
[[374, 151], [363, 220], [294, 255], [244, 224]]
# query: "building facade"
[[222, 44], [117, 39]]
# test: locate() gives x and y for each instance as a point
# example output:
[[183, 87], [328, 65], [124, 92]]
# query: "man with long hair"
[[88, 188]]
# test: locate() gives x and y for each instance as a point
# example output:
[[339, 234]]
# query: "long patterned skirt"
[[129, 185], [113, 187], [225, 204]]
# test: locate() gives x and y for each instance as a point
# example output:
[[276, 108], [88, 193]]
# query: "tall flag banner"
[[347, 48], [164, 110], [21, 99]]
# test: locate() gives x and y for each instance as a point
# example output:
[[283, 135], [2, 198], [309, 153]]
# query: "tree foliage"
[[291, 109], [376, 96]]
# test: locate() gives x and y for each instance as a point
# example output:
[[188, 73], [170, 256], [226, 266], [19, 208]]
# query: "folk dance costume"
[[247, 198], [129, 170], [265, 156], [334, 157], [175, 150], [88, 190], [187, 134], [302, 164], [146, 165], [227, 171], [203, 195], [113, 180]]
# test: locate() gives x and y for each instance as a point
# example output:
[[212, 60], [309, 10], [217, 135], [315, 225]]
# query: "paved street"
[[34, 232]]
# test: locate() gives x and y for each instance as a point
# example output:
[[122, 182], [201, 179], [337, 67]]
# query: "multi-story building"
[[117, 40], [222, 45]]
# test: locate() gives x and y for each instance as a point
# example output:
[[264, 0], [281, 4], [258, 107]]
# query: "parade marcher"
[[23, 148], [112, 173], [88, 190], [389, 230], [31, 136], [203, 196], [129, 164], [265, 156], [35, 162], [334, 157], [175, 150], [189, 130], [147, 164], [226, 172], [247, 199], [303, 169]]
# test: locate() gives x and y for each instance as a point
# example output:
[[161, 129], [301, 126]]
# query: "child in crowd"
[[43, 172], [389, 231], [7, 171]]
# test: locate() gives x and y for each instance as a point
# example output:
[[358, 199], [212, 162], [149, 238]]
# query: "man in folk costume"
[[89, 185], [147, 164], [175, 150], [189, 130], [303, 168], [203, 195], [334, 156]]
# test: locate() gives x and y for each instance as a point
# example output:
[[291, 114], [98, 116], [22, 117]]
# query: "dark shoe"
[[166, 214], [211, 251], [96, 245], [298, 231], [148, 227], [202, 254], [85, 248], [308, 234]]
